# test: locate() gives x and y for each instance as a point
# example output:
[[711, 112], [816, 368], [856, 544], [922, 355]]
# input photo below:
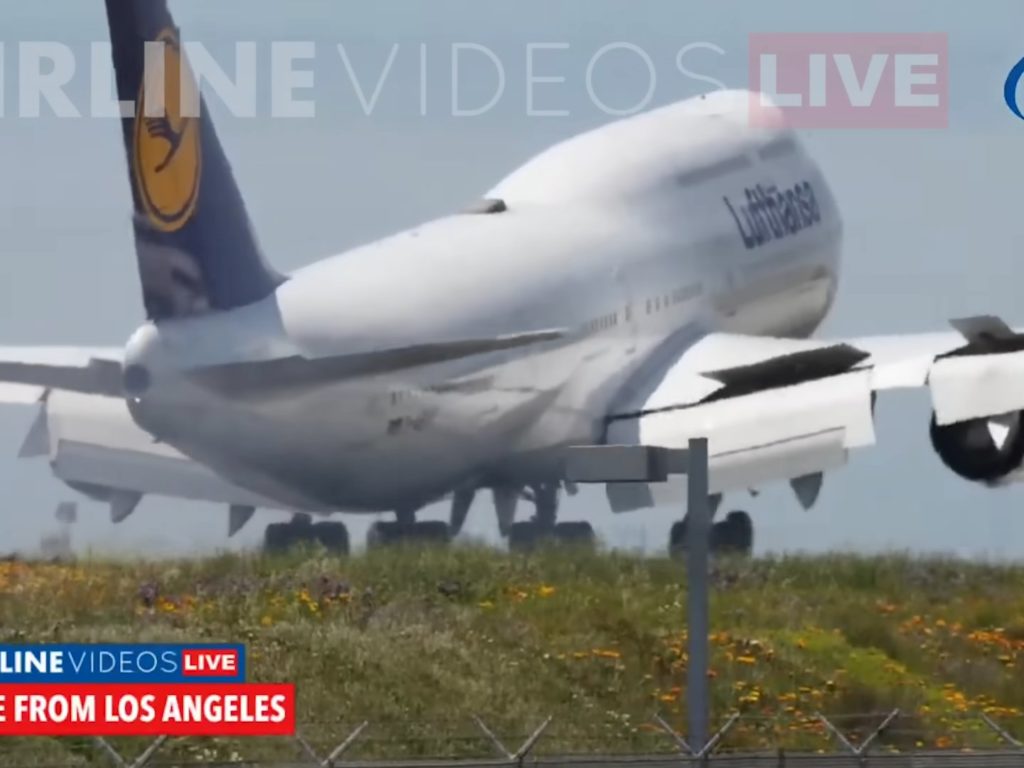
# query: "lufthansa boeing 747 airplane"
[[653, 280]]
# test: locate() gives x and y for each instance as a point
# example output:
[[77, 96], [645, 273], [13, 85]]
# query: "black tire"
[[432, 532], [333, 536], [677, 540], [279, 538], [733, 536], [523, 537], [382, 535], [576, 534]]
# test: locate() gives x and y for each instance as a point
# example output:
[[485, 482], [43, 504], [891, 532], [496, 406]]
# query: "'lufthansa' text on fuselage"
[[773, 214]]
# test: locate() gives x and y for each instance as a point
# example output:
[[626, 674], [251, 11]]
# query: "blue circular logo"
[[1010, 89]]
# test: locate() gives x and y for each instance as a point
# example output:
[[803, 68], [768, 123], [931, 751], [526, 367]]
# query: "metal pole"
[[698, 511]]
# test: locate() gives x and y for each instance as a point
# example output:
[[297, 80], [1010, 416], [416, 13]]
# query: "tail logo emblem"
[[167, 148]]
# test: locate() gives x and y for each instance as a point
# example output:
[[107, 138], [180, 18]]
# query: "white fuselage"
[[635, 240]]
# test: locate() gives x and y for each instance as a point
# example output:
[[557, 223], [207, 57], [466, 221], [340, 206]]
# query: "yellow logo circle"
[[167, 149]]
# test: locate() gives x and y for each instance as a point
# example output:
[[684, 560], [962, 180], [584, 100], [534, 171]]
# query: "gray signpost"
[[652, 464]]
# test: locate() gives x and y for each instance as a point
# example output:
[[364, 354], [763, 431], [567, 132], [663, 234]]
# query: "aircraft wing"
[[27, 372], [790, 409], [94, 447]]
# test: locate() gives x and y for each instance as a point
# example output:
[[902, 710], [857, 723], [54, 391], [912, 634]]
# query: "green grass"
[[417, 642]]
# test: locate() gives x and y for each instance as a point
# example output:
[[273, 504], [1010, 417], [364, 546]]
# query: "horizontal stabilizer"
[[33, 369], [296, 372]]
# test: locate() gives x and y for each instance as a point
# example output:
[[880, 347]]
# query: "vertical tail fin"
[[195, 245]]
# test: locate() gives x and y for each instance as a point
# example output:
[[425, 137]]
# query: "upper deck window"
[[721, 168]]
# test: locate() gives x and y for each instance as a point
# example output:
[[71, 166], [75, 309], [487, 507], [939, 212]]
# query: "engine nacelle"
[[989, 451]]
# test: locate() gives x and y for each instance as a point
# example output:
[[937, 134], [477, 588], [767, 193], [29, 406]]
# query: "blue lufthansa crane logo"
[[1010, 88]]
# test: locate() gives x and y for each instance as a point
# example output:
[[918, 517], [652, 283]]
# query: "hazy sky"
[[933, 218]]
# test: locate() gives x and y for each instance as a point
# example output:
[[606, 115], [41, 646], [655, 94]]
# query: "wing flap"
[[762, 437], [20, 394], [91, 442], [977, 386]]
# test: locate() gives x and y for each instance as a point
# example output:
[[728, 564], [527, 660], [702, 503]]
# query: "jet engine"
[[989, 451]]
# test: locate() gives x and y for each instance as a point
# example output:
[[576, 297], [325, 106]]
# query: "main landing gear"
[[280, 537], [405, 529], [544, 528], [732, 536]]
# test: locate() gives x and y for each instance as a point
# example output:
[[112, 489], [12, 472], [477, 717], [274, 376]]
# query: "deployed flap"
[[977, 386], [37, 441], [797, 457], [95, 444], [283, 373], [20, 394], [771, 435]]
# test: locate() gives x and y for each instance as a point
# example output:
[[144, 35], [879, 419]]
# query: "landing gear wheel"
[[391, 534], [577, 534], [278, 538], [677, 539], [431, 532], [733, 536], [526, 537], [523, 537], [333, 536]]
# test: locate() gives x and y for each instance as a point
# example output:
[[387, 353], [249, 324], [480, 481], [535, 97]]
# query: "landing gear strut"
[[544, 528], [732, 536], [280, 537]]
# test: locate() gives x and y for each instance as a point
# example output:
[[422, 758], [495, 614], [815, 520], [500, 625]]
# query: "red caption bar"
[[239, 709]]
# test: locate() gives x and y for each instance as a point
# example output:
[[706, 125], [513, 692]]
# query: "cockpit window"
[[721, 168], [488, 205], [778, 148]]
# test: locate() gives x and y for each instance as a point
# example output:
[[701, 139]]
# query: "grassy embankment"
[[418, 642]]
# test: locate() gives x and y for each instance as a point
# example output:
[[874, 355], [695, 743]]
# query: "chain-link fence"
[[883, 739]]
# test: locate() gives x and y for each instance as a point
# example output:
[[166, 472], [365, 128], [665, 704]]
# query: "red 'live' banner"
[[240, 709]]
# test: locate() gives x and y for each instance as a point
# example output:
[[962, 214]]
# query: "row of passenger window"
[[652, 305]]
